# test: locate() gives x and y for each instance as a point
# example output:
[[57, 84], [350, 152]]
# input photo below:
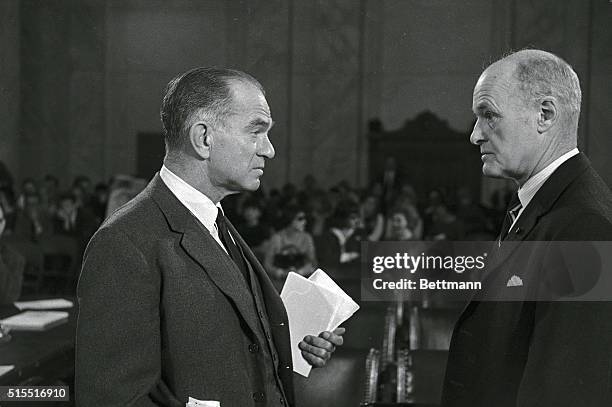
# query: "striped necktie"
[[511, 215]]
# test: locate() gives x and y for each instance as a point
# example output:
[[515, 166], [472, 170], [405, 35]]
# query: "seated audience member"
[[391, 181], [83, 183], [99, 201], [252, 229], [32, 220], [291, 248], [445, 225], [318, 211], [28, 188], [11, 268], [399, 228], [406, 206], [434, 198], [372, 219], [341, 242], [75, 221], [472, 215], [10, 212], [122, 189], [49, 193]]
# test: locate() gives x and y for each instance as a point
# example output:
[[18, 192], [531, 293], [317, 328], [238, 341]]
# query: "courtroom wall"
[[93, 72], [9, 83]]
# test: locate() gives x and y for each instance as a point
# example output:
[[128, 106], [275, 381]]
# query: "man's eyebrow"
[[482, 106], [259, 122]]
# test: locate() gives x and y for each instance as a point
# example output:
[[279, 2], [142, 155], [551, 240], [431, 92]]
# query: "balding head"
[[540, 74]]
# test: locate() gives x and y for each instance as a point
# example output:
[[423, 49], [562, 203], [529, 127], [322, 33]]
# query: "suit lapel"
[[541, 204], [275, 308], [197, 242], [274, 304]]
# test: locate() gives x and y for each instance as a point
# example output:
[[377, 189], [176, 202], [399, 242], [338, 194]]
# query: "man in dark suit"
[[173, 303], [521, 352]]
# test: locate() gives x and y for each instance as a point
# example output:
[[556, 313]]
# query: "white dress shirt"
[[198, 204], [533, 184]]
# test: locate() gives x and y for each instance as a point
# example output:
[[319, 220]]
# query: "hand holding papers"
[[313, 305]]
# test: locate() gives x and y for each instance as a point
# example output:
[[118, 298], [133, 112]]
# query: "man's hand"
[[317, 350]]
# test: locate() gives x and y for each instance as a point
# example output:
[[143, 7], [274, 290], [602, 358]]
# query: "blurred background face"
[[370, 206], [29, 188], [67, 205], [398, 222], [252, 214], [299, 222], [102, 195], [353, 221]]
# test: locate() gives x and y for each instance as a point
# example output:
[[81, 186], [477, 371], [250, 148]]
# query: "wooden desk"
[[39, 357]]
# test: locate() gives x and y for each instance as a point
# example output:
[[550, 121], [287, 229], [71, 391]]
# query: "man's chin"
[[491, 171], [253, 185]]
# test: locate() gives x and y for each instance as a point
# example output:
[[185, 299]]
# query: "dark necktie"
[[513, 210], [231, 247]]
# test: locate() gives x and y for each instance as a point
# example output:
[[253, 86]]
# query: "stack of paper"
[[313, 305], [35, 320], [4, 369], [202, 403], [54, 303]]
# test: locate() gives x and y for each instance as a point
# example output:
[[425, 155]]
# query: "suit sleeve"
[[118, 359]]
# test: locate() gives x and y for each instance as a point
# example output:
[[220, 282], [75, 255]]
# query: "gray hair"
[[542, 73], [200, 93]]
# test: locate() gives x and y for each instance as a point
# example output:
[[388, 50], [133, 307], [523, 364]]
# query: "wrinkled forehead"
[[248, 98], [497, 81]]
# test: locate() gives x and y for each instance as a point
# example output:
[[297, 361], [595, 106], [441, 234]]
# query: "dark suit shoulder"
[[584, 210]]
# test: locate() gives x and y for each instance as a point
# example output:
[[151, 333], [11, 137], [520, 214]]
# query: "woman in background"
[[291, 248], [399, 226], [372, 219], [340, 245]]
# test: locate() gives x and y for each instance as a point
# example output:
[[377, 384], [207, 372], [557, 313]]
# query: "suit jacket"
[[547, 353], [164, 313]]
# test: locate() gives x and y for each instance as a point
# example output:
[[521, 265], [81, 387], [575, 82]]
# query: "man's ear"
[[200, 139], [547, 115]]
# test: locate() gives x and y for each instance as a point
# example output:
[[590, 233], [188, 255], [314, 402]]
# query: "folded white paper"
[[4, 369], [35, 320], [313, 305], [202, 403], [54, 303]]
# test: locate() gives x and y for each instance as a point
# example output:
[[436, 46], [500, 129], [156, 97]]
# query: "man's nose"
[[266, 149], [476, 137]]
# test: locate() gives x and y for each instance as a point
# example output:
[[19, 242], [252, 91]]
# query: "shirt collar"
[[533, 184], [198, 204]]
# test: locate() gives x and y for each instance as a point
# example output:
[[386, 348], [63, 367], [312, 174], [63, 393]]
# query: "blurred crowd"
[[300, 228], [294, 228]]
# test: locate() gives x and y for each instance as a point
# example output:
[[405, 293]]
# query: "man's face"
[[505, 129], [398, 222], [240, 146]]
